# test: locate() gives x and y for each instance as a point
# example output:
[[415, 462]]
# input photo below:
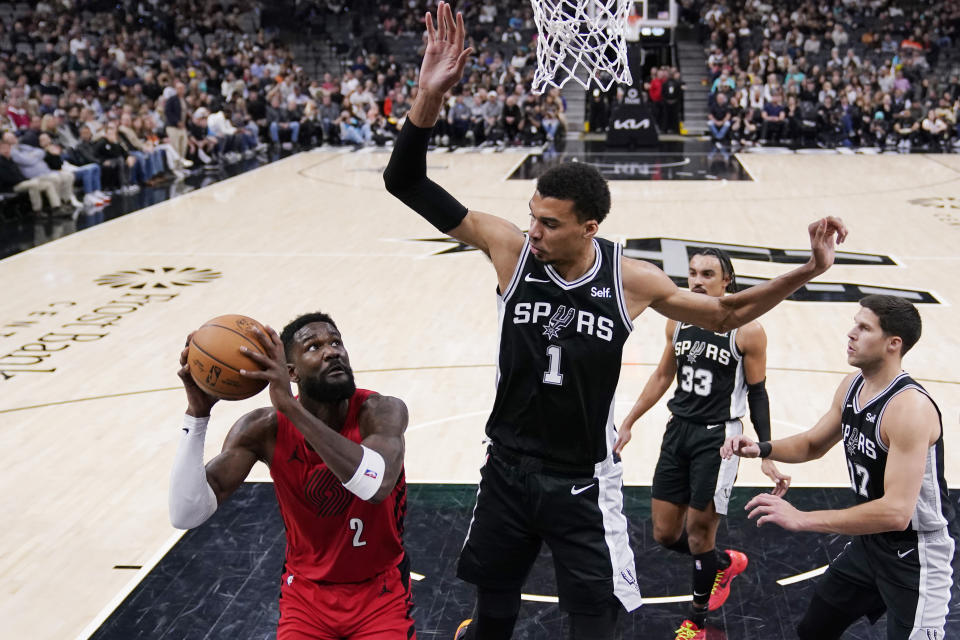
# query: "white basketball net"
[[583, 40]]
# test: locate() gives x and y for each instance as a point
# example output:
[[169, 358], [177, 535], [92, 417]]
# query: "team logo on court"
[[561, 318], [673, 256], [158, 277], [695, 351]]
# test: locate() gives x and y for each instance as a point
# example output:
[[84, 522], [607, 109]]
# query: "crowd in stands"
[[110, 96], [829, 73]]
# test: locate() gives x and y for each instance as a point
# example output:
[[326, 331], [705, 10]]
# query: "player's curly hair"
[[286, 336], [582, 184]]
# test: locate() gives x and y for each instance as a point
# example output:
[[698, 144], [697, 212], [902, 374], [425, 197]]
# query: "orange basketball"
[[215, 359]]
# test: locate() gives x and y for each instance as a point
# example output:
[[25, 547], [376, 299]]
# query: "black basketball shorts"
[[906, 574], [690, 470], [579, 517]]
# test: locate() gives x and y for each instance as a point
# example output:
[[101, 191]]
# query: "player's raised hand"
[[445, 57], [825, 234], [274, 365], [199, 402], [739, 445], [781, 480], [768, 508]]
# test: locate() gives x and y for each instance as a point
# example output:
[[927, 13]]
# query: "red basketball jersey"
[[332, 535]]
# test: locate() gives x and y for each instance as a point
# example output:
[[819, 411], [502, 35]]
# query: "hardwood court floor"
[[91, 325]]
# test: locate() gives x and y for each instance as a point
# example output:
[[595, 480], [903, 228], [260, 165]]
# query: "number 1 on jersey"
[[552, 375]]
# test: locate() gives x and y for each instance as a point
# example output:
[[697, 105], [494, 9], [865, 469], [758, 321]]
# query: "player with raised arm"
[[335, 454], [567, 299]]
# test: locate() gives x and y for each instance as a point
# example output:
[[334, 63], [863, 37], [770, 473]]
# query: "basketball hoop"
[[583, 40]]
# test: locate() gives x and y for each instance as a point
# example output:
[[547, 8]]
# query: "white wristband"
[[191, 499], [369, 475]]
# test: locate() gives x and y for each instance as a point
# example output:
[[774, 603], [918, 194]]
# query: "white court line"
[[423, 425], [659, 600], [800, 577], [134, 582], [533, 598]]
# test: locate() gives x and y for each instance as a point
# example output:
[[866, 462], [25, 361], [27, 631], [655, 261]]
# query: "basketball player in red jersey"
[[335, 453]]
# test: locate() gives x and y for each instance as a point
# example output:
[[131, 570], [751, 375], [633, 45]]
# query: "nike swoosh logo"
[[529, 278], [905, 553], [185, 430], [713, 426], [699, 595], [574, 491]]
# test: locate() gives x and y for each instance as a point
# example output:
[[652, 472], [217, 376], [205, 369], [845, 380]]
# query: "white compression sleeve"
[[192, 500]]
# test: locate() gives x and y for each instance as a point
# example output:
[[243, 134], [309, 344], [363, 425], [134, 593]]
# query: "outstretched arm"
[[910, 424], [653, 390], [406, 174], [809, 445], [645, 285]]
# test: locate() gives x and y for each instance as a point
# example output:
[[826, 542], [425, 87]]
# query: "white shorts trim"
[[728, 471], [625, 587]]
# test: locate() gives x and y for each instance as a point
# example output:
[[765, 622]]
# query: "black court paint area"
[[691, 160], [222, 579]]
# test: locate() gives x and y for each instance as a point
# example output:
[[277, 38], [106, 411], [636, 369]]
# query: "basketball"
[[215, 359]]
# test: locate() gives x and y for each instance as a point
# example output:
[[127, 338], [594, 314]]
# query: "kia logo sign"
[[631, 124]]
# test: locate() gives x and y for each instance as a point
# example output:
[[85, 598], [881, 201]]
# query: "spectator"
[[175, 118], [281, 120], [12, 179], [719, 120], [774, 120], [30, 160], [353, 130], [112, 155], [83, 161]]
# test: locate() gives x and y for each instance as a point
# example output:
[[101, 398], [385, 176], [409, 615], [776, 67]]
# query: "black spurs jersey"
[[866, 454], [559, 361], [711, 385]]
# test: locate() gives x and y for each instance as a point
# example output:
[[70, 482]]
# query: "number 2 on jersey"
[[356, 524], [552, 375]]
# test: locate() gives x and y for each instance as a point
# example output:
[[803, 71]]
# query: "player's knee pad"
[[822, 621], [602, 625]]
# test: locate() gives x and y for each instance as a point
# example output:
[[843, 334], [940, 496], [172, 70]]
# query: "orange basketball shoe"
[[721, 584], [461, 631], [690, 630]]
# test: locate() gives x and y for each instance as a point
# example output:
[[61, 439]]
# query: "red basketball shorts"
[[378, 609]]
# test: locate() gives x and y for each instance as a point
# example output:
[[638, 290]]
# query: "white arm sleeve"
[[192, 500]]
